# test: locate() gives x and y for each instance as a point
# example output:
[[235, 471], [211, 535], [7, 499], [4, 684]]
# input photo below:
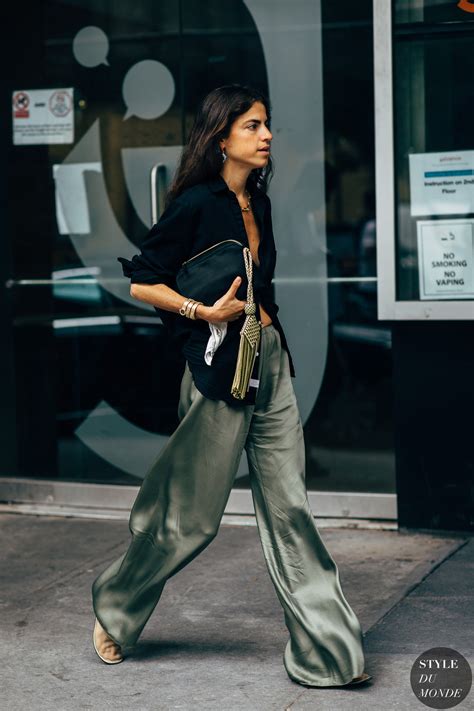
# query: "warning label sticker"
[[43, 116]]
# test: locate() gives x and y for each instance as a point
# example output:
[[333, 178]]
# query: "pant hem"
[[323, 680]]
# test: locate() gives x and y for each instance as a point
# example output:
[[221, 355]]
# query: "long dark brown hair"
[[201, 158]]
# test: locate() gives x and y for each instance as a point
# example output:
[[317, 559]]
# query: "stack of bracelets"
[[189, 308]]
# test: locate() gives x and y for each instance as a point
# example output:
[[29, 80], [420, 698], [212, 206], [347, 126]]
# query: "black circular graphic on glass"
[[441, 678]]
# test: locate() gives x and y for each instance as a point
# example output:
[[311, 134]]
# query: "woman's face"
[[249, 138]]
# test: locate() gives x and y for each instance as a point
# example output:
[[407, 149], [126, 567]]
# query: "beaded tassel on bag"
[[249, 337]]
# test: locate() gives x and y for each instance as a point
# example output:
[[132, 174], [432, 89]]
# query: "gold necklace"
[[246, 209]]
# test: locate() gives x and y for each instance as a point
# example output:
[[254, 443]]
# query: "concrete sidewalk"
[[216, 639]]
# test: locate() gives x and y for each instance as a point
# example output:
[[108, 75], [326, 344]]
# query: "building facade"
[[371, 202]]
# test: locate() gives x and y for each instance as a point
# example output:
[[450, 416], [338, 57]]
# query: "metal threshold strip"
[[112, 501]]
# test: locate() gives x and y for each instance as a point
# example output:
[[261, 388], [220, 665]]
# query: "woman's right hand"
[[227, 308]]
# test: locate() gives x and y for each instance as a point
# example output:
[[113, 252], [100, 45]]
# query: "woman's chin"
[[261, 160]]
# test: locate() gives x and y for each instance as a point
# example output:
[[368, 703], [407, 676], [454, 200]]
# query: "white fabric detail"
[[218, 332]]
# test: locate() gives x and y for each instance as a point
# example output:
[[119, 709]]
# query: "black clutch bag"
[[208, 275]]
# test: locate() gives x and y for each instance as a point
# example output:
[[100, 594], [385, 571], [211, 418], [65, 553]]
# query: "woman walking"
[[219, 193]]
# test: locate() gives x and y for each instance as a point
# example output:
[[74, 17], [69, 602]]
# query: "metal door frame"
[[388, 306]]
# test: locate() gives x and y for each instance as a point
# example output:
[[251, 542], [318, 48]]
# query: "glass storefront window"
[[427, 205], [84, 349], [434, 160]]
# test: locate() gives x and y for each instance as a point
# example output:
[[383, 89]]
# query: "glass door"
[[97, 104], [103, 99]]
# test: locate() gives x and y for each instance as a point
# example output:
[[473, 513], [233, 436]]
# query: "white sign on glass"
[[446, 259], [442, 183], [43, 116]]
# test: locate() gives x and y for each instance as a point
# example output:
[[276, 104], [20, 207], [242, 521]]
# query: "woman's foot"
[[108, 650]]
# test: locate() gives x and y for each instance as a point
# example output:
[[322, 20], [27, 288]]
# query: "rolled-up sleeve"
[[165, 247]]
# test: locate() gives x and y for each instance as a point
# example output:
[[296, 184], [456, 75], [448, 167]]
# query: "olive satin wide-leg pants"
[[179, 508]]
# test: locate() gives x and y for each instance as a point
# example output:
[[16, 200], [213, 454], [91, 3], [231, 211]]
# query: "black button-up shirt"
[[198, 218]]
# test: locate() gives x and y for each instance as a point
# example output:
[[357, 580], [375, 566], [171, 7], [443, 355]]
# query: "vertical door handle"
[[157, 191]]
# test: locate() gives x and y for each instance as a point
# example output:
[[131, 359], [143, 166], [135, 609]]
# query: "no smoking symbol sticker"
[[21, 102]]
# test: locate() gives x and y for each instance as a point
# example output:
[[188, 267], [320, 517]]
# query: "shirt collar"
[[218, 184]]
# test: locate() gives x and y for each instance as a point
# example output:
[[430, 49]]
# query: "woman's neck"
[[236, 178]]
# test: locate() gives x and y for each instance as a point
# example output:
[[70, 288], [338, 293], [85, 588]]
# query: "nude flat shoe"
[[359, 679], [104, 659], [356, 680]]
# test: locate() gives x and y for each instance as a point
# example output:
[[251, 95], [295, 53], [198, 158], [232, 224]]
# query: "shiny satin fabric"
[[180, 504]]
